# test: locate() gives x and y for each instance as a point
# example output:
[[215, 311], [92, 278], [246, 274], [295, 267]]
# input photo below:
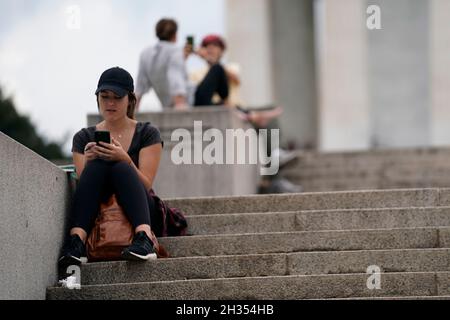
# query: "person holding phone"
[[119, 155], [162, 68]]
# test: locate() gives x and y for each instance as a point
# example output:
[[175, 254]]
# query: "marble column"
[[249, 45], [342, 70], [440, 71], [399, 86]]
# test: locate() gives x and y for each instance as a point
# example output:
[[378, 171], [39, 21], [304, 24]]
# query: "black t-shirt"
[[144, 136]]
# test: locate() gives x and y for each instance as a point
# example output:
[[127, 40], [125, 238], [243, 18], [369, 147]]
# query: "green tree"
[[21, 129]]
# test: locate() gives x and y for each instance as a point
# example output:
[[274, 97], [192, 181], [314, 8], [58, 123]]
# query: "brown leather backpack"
[[112, 233]]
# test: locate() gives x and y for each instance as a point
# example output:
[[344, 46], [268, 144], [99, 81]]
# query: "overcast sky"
[[51, 67]]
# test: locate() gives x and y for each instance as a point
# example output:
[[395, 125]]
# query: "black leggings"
[[215, 81], [99, 180]]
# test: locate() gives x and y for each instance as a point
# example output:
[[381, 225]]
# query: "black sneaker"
[[140, 249], [74, 252]]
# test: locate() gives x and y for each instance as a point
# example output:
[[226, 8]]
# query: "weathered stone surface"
[[254, 265], [273, 287], [34, 199], [304, 241], [311, 220], [308, 201]]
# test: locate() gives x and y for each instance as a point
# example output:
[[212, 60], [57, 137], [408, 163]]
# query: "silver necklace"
[[118, 135]]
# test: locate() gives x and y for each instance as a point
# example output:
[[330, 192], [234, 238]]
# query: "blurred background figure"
[[212, 50], [212, 82], [162, 68]]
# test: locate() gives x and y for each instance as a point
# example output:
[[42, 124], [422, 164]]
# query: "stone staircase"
[[292, 246], [368, 170]]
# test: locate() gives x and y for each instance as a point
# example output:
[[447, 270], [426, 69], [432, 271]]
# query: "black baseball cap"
[[117, 80]]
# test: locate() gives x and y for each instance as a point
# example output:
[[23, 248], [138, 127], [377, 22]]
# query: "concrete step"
[[341, 219], [329, 186], [372, 158], [368, 165], [281, 242], [272, 287], [370, 170], [366, 168], [313, 201], [395, 298], [366, 171], [390, 181], [418, 177], [254, 265], [291, 246]]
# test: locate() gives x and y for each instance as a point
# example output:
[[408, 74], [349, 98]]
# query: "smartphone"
[[102, 136], [190, 40]]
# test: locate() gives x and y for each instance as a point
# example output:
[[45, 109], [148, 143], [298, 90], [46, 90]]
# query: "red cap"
[[213, 39]]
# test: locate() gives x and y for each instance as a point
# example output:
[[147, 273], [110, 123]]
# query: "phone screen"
[[102, 136], [190, 40]]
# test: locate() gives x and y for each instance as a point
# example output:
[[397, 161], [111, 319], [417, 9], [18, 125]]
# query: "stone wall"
[[34, 198]]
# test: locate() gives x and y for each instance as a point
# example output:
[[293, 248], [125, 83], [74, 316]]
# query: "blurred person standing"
[[162, 67]]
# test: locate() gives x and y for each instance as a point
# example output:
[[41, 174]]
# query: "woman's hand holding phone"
[[112, 152], [89, 152]]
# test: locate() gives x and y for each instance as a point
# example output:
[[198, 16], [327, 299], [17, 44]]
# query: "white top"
[[162, 67]]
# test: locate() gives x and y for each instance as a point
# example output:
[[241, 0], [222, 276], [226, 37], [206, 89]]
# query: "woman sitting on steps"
[[127, 167]]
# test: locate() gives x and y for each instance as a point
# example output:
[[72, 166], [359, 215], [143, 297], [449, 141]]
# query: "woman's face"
[[112, 107], [214, 53]]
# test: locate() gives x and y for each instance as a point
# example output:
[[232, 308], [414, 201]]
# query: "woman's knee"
[[95, 164], [120, 168], [95, 168]]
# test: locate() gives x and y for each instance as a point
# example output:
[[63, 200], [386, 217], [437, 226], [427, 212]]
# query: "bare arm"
[[233, 77], [149, 158], [80, 160]]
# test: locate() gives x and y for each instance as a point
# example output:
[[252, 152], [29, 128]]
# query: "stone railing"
[[34, 199]]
